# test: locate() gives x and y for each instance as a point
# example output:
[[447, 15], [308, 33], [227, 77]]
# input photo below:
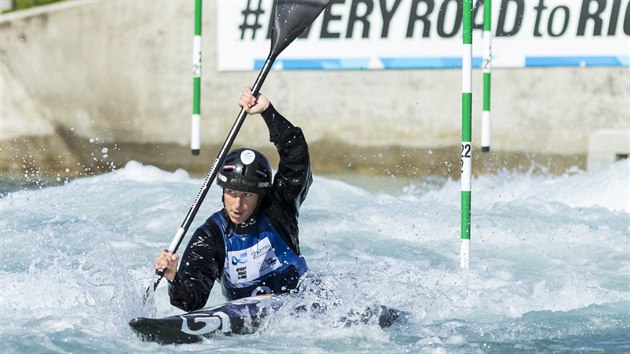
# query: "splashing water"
[[550, 264]]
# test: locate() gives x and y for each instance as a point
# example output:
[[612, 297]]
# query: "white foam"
[[81, 254], [607, 189]]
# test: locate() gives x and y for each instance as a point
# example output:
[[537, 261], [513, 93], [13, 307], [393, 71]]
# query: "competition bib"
[[252, 263]]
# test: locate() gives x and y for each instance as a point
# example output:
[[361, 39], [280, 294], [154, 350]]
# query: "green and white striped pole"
[[487, 74], [195, 140], [466, 150]]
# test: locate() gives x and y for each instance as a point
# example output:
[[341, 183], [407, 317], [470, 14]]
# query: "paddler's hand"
[[251, 104], [168, 262]]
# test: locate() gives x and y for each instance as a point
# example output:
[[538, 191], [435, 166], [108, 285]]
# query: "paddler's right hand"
[[167, 261], [253, 104]]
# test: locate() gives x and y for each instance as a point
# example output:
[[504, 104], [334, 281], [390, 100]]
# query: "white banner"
[[416, 34]]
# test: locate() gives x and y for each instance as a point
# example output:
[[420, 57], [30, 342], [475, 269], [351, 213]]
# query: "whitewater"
[[549, 267]]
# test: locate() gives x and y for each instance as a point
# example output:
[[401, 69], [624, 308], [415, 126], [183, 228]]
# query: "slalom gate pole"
[[487, 74], [466, 149], [195, 140]]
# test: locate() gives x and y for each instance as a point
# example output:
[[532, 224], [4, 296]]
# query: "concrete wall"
[[83, 76]]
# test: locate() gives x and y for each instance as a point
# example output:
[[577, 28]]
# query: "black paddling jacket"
[[203, 260]]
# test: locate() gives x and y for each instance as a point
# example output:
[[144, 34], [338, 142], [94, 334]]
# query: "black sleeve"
[[200, 266], [293, 176]]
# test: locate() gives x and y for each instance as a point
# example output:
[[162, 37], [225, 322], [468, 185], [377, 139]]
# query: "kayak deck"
[[242, 316]]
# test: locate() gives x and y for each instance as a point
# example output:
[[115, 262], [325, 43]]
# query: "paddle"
[[291, 18]]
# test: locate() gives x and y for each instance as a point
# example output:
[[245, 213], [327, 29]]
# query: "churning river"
[[549, 271]]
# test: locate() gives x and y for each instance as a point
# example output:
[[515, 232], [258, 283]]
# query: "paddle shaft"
[[181, 232]]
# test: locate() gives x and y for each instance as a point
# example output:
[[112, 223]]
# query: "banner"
[[424, 34]]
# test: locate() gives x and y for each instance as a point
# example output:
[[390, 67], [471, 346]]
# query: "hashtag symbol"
[[250, 12]]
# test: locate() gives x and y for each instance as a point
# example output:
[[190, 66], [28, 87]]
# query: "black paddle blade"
[[291, 18]]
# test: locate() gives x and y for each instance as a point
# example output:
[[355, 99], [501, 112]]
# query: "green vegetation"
[[25, 4]]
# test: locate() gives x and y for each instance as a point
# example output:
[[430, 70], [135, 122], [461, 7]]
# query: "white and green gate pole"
[[466, 150], [487, 74], [195, 140]]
